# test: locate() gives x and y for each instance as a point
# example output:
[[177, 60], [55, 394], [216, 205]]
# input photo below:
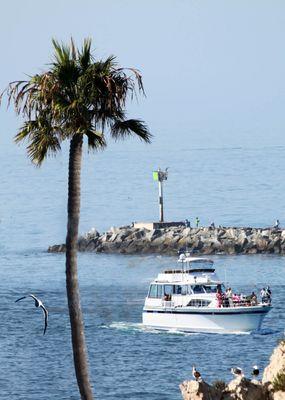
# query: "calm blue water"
[[232, 186]]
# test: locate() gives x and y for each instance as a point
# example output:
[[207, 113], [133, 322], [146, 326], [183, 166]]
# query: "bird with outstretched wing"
[[38, 304]]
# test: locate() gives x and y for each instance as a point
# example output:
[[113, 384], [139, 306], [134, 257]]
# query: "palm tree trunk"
[[72, 288]]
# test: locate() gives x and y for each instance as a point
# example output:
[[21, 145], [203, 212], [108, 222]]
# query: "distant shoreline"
[[169, 240]]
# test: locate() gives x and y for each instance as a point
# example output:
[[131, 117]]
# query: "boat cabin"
[[194, 284]]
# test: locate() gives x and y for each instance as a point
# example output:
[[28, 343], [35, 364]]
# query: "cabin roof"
[[186, 259], [189, 271]]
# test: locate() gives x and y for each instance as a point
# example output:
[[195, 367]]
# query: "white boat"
[[185, 299]]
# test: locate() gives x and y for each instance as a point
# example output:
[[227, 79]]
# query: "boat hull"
[[222, 320]]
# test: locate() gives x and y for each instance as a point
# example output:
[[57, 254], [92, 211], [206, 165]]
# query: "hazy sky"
[[214, 70]]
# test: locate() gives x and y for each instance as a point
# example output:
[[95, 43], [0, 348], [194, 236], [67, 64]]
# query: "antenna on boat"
[[226, 283], [182, 259]]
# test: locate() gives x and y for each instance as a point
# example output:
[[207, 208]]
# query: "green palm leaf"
[[121, 129]]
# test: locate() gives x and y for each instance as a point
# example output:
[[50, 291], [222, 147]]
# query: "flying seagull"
[[196, 374], [38, 303], [255, 371], [237, 371]]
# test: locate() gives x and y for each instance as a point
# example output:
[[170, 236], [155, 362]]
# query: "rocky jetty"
[[272, 386], [168, 240]]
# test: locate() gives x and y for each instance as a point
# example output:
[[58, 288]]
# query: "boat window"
[[210, 288], [159, 291], [152, 291], [199, 303], [198, 289], [189, 290], [177, 289], [184, 289], [180, 289], [155, 291], [168, 289]]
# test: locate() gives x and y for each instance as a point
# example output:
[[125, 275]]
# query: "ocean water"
[[237, 186]]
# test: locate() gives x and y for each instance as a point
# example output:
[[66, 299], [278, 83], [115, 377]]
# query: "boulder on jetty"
[[237, 389], [272, 386], [192, 390], [152, 238]]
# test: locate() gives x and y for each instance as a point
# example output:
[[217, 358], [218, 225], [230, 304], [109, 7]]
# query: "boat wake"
[[132, 327], [139, 327]]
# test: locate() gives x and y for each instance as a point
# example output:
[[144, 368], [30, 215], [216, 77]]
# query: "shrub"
[[219, 385], [279, 382]]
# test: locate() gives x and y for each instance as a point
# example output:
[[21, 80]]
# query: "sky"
[[213, 70]]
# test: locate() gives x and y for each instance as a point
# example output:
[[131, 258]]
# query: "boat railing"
[[167, 303], [226, 304], [244, 303]]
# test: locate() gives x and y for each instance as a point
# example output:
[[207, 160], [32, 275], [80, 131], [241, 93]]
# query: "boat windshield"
[[160, 290], [210, 288], [204, 289], [198, 289]]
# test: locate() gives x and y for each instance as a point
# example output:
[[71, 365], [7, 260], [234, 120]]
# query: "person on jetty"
[[212, 226], [187, 223], [197, 222], [277, 224]]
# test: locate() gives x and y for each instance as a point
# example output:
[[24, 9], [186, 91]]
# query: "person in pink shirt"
[[219, 296], [236, 298]]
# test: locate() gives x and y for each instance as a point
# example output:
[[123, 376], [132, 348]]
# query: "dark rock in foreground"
[[222, 240]]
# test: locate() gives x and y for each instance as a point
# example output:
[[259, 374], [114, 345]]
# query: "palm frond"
[[43, 138], [84, 56], [26, 131], [138, 78], [121, 129], [96, 140], [73, 49], [42, 145], [61, 52], [65, 66]]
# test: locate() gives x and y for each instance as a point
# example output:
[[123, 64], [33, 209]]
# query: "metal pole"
[[160, 191]]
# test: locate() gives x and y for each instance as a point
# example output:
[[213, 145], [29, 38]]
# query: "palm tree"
[[77, 97]]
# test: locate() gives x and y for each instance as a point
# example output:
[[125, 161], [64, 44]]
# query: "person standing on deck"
[[219, 296], [263, 295], [229, 295], [253, 299], [268, 295], [197, 222]]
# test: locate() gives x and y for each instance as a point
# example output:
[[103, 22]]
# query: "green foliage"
[[78, 95], [279, 382], [219, 385]]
